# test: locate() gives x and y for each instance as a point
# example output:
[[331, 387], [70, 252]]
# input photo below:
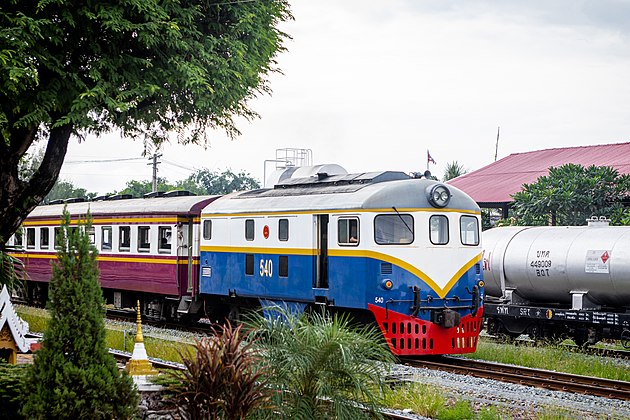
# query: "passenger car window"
[[17, 239], [348, 231], [124, 240], [44, 237], [165, 234], [438, 230], [106, 238], [143, 238], [469, 230], [58, 239], [30, 238], [393, 229]]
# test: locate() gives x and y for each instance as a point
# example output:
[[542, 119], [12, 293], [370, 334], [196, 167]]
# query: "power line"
[[188, 168], [102, 160]]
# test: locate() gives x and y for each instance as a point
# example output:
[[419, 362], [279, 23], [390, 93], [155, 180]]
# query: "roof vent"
[[75, 200], [56, 202], [321, 175], [100, 198], [119, 197], [154, 194], [178, 193]]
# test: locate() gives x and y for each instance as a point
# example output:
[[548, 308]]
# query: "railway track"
[[597, 351], [556, 381]]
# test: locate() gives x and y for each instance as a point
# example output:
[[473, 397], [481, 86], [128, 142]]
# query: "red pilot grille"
[[408, 336]]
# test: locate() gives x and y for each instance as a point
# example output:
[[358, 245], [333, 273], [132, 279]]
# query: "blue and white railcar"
[[400, 251]]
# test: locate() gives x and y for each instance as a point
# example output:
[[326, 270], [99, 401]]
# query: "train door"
[[321, 260], [184, 253]]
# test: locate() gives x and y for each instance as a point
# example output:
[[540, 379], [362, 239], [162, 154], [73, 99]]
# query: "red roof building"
[[493, 185]]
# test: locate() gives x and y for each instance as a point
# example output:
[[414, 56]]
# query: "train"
[[401, 252], [558, 282]]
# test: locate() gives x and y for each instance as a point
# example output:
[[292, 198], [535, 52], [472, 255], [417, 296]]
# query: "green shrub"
[[11, 377]]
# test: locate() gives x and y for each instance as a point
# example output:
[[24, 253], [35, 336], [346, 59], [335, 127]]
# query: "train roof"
[[368, 190], [182, 205]]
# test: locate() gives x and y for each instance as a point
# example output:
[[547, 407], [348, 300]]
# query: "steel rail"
[[557, 381]]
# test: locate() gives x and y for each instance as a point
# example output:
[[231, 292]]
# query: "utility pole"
[[155, 163], [496, 148]]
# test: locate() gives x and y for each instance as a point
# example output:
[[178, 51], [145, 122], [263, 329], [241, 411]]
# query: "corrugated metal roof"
[[495, 183]]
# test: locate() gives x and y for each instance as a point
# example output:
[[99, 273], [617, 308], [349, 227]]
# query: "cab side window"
[[348, 231]]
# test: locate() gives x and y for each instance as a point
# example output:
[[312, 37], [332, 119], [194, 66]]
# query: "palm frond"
[[12, 271]]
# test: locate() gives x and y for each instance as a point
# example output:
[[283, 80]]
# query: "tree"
[[453, 170], [66, 189], [140, 188], [73, 375], [570, 194], [322, 366], [209, 182], [146, 67]]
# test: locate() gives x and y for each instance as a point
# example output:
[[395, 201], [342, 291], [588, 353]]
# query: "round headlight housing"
[[438, 195]]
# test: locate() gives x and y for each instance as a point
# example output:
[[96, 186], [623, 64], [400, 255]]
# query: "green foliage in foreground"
[[321, 365], [11, 377], [12, 272], [73, 375]]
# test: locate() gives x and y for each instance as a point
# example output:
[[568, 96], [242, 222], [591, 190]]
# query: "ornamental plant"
[[322, 365], [73, 375], [222, 379]]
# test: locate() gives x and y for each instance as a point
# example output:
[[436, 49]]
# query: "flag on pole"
[[429, 158]]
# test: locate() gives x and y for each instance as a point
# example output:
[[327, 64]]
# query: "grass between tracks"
[[552, 358], [117, 337]]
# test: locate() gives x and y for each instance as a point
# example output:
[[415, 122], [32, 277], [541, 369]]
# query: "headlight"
[[438, 195]]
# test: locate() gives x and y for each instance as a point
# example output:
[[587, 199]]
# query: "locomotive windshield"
[[393, 229]]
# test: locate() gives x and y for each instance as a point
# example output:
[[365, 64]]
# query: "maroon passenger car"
[[148, 249]]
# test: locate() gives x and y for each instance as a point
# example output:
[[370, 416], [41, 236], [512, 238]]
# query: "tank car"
[[398, 251], [555, 282], [148, 249]]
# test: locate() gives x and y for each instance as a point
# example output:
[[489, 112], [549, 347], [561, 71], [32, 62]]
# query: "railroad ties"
[[556, 381]]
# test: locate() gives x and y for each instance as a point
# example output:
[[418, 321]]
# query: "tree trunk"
[[17, 197]]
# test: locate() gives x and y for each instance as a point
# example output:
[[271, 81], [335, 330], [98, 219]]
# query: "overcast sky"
[[371, 85]]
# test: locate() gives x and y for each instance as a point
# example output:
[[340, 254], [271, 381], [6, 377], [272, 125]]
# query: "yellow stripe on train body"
[[441, 287], [129, 259]]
